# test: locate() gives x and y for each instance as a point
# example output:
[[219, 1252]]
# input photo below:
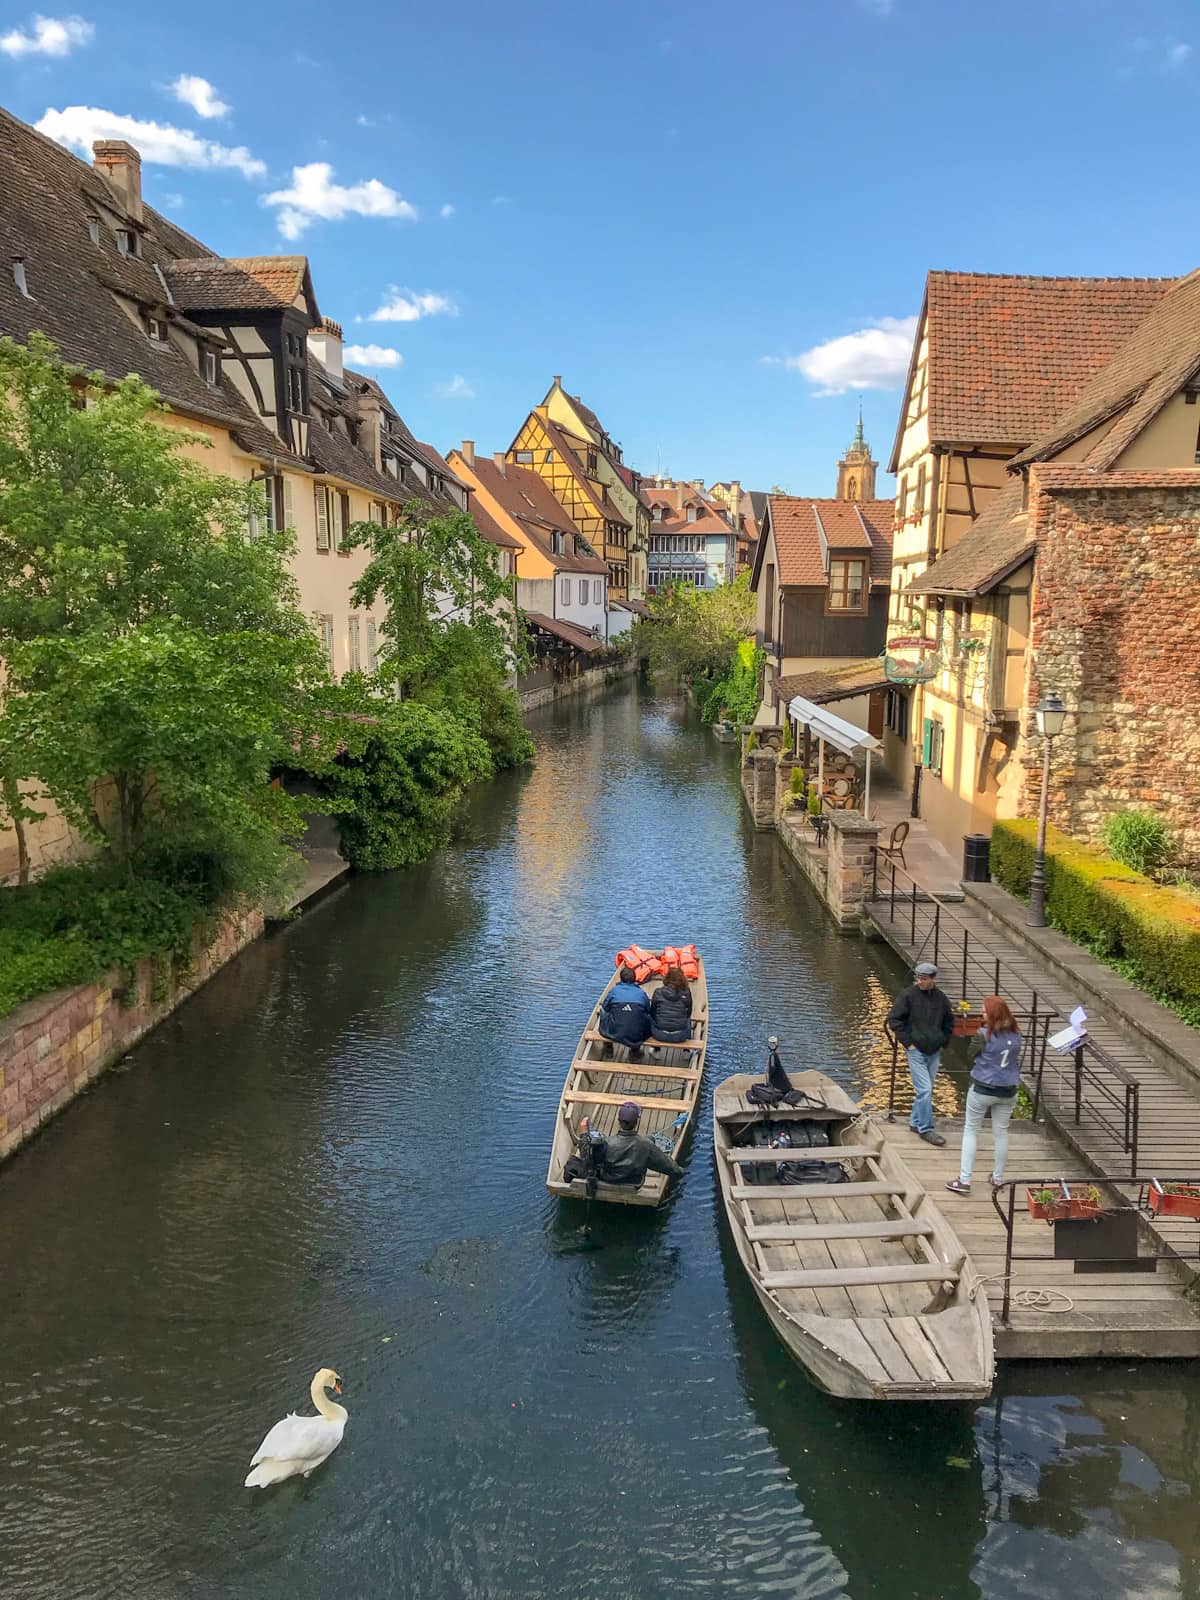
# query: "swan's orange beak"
[[337, 1388]]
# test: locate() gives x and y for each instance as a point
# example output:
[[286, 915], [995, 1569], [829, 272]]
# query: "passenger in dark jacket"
[[923, 1022], [671, 1009], [625, 1014], [628, 1154]]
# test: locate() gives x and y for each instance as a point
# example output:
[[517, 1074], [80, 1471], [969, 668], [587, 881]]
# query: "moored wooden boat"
[[666, 1086], [864, 1281]]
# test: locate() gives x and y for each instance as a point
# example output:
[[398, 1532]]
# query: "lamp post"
[[1051, 714]]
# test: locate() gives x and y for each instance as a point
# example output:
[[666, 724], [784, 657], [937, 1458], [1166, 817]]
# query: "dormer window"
[[212, 368], [94, 229], [127, 242], [19, 277], [847, 586], [691, 514], [157, 329]]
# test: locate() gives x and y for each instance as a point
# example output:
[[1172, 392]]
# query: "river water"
[[334, 1155]]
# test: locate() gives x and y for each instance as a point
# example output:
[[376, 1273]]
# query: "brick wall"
[[1116, 631], [51, 1048]]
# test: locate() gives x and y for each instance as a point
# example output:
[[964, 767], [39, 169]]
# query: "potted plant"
[[966, 1022], [1175, 1199], [1055, 1202], [814, 801], [796, 787]]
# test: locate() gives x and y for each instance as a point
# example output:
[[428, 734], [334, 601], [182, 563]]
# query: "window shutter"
[[343, 519], [355, 647], [372, 647], [321, 501], [927, 743], [289, 505]]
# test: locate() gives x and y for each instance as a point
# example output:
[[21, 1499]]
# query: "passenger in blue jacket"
[[995, 1078], [625, 1014]]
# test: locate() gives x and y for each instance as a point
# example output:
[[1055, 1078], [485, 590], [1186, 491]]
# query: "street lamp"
[[1050, 714]]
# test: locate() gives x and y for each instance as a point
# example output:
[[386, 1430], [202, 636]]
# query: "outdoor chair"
[[895, 845]]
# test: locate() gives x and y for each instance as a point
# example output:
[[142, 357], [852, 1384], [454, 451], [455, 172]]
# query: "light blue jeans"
[[978, 1106], [923, 1070]]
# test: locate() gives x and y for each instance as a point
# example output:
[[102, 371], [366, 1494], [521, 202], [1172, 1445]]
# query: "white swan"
[[298, 1444]]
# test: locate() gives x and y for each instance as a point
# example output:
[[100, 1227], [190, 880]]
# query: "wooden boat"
[[726, 732], [864, 1281], [666, 1086]]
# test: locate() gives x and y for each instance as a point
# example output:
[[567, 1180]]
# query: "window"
[[295, 380], [343, 520], [378, 513], [127, 241], [847, 586], [932, 745], [851, 488], [550, 455], [597, 592], [294, 346], [355, 646], [525, 457], [157, 329], [895, 713], [372, 646], [583, 591], [902, 502], [94, 229], [258, 513], [212, 368], [281, 510], [919, 498], [327, 639], [564, 591], [556, 543], [321, 497]]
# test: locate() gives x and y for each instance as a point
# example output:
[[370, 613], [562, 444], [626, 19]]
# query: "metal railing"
[[1099, 1087], [1092, 1255]]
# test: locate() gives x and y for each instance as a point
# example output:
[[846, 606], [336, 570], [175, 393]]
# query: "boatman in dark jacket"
[[625, 1014], [628, 1154], [923, 1022]]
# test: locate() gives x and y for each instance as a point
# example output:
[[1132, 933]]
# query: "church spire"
[[859, 443], [856, 470]]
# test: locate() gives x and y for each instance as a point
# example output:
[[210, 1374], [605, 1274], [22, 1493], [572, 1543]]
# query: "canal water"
[[334, 1155]]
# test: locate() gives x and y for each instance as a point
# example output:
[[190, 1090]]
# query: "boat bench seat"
[[592, 1097], [812, 1191], [850, 1277], [901, 1228], [831, 1152], [637, 1069], [594, 1036]]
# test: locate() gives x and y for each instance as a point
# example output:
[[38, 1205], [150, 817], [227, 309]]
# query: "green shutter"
[[927, 742]]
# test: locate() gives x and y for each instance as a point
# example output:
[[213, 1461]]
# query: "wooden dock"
[[1056, 1314]]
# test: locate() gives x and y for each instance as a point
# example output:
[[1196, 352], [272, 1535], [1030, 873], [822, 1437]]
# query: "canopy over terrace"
[[842, 735]]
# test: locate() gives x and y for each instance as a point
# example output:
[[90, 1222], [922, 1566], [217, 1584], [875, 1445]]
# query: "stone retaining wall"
[[51, 1048], [592, 678]]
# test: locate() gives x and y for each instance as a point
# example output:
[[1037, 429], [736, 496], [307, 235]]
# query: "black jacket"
[[922, 1017], [671, 1014], [630, 1155]]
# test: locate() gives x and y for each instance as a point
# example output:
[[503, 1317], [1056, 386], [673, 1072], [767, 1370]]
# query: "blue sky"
[[679, 205]]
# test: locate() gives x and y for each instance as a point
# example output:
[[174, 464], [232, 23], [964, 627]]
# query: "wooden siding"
[[809, 630]]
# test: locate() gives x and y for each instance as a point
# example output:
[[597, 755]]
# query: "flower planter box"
[[965, 1026], [1185, 1203], [1064, 1207]]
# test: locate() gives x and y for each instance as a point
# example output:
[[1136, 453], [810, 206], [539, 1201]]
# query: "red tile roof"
[[567, 631], [532, 505], [796, 523], [1008, 354]]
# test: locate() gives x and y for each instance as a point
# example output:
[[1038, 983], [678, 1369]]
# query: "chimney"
[[557, 381], [121, 165], [325, 343], [368, 413], [468, 451], [498, 458]]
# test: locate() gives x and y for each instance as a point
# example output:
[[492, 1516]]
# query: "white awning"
[[842, 735]]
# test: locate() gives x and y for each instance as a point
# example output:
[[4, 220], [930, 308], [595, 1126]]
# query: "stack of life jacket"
[[652, 964]]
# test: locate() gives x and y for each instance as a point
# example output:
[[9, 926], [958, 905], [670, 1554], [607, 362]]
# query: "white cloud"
[[173, 202], [372, 355], [402, 305], [1177, 54], [873, 358], [200, 95], [314, 196], [47, 36], [457, 389], [79, 126], [447, 210], [365, 122]]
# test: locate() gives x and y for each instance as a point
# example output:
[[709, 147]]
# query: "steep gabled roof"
[[1155, 362], [1008, 354], [529, 501], [800, 526], [567, 445], [208, 283], [992, 547], [286, 277]]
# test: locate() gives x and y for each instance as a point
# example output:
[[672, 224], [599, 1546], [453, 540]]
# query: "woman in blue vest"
[[995, 1077]]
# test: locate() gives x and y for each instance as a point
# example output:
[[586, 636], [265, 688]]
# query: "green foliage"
[[814, 801], [396, 794], [785, 743], [737, 692], [796, 783], [751, 743], [77, 923], [1149, 932], [1137, 839], [470, 688], [695, 633]]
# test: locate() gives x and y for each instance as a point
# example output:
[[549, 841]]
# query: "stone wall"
[[51, 1048], [758, 786], [1116, 632], [850, 865], [543, 694]]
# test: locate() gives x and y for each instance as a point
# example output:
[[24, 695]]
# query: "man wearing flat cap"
[[923, 1022], [628, 1154]]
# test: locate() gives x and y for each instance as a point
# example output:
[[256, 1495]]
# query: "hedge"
[[1121, 914]]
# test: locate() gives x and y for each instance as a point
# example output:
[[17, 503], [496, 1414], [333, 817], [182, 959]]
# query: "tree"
[[695, 633], [158, 664]]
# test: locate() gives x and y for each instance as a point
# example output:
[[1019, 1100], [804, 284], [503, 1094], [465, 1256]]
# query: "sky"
[[714, 220]]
